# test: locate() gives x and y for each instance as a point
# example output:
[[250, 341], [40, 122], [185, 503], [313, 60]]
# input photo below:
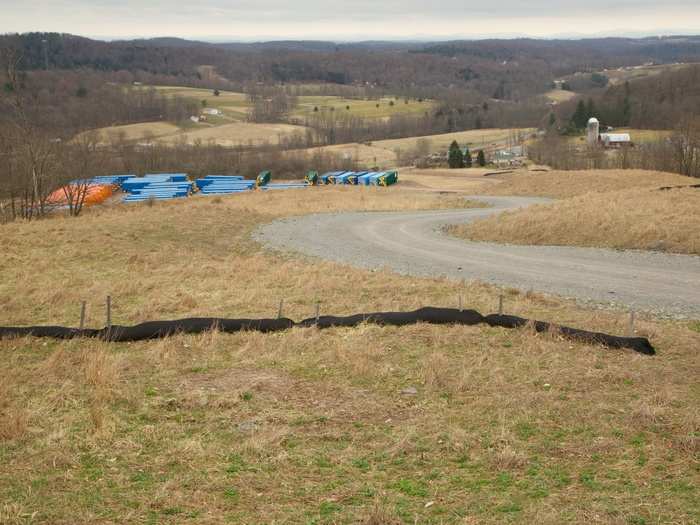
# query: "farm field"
[[135, 132], [311, 426], [226, 134], [613, 209], [560, 95], [231, 128], [384, 153], [639, 136], [235, 134], [565, 184], [235, 106], [467, 180], [621, 75], [382, 108]]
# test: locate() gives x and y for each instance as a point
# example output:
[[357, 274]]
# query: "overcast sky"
[[343, 20]]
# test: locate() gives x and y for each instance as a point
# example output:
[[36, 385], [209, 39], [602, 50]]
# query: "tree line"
[[680, 153], [502, 69], [657, 102]]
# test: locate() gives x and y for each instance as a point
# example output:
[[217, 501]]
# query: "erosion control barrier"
[[430, 315]]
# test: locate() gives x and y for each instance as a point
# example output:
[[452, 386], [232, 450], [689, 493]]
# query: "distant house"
[[211, 111], [615, 140]]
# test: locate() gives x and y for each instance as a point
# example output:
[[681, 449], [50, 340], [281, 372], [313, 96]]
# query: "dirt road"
[[413, 243]]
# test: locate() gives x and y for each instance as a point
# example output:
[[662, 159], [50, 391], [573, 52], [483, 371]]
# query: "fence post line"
[[279, 310], [500, 304], [460, 302], [82, 315], [109, 313], [631, 325], [318, 309]]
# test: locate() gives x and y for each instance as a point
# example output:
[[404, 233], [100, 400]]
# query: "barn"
[[616, 140]]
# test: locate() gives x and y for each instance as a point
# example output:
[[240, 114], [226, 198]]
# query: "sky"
[[245, 20]]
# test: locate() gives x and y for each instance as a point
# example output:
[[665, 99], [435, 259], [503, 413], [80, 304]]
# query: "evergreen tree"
[[481, 158], [626, 106], [455, 158], [590, 110], [579, 119], [468, 161]]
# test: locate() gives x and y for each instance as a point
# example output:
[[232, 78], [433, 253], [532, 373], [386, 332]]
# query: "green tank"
[[263, 178], [388, 178], [311, 178]]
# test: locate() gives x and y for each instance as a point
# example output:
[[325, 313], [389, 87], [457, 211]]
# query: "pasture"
[[384, 107], [235, 106], [371, 425], [386, 153], [621, 209]]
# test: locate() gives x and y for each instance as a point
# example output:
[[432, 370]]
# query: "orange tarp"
[[96, 194]]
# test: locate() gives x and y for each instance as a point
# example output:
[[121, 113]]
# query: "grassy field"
[[235, 106], [560, 95], [382, 108], [231, 128], [638, 136], [311, 426], [564, 184], [221, 133], [234, 134], [384, 153], [621, 75], [467, 180], [135, 132], [613, 209]]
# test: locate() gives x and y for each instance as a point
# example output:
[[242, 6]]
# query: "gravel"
[[413, 243]]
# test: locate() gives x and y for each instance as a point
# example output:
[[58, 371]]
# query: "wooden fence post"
[[82, 315]]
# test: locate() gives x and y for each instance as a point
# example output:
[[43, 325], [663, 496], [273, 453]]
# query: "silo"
[[593, 131]]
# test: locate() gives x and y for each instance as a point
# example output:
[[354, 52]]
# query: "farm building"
[[615, 140], [211, 111], [609, 140]]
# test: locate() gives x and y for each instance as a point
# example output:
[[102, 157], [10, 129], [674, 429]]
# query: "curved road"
[[413, 243]]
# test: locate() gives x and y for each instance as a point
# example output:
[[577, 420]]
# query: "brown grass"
[[468, 180], [383, 153], [560, 95], [645, 219], [138, 131], [235, 134], [310, 426], [564, 184]]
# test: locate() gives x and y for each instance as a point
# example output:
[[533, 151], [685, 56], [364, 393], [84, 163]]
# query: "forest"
[[502, 69]]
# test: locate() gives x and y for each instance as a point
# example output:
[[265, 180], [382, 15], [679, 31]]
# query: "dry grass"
[[383, 153], [363, 108], [235, 134], [638, 136], [560, 95], [138, 131], [468, 180], [310, 426], [639, 218], [475, 139], [564, 184]]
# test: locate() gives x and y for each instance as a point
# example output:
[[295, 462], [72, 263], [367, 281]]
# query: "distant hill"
[[510, 70]]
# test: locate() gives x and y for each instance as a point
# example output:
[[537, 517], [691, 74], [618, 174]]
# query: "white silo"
[[593, 131]]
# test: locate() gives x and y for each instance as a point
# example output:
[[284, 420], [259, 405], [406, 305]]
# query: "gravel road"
[[413, 243]]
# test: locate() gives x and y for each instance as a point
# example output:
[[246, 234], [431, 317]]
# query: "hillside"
[[475, 65], [654, 97], [369, 425]]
